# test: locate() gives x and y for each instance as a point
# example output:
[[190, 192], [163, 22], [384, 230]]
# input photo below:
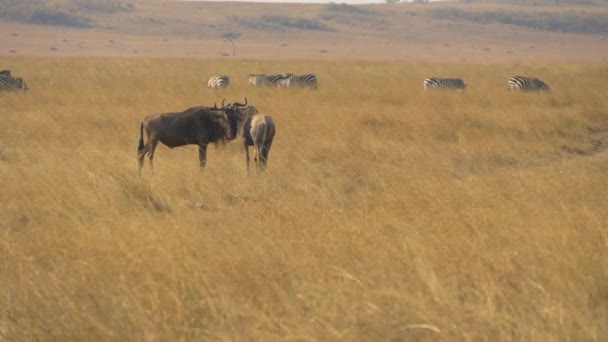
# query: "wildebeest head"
[[221, 127], [237, 114]]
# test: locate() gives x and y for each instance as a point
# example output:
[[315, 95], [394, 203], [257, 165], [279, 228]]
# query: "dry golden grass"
[[387, 213]]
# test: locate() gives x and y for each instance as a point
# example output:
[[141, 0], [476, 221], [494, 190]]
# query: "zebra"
[[523, 83], [438, 82], [306, 80], [218, 82], [264, 80], [8, 82]]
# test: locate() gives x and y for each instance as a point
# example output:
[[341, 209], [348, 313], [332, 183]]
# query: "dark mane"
[[218, 126]]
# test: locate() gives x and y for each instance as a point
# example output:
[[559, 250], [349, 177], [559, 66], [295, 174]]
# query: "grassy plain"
[[387, 213]]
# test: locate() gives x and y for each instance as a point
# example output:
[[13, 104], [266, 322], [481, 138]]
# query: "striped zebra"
[[8, 82], [438, 82], [306, 80], [523, 83], [218, 82], [266, 80]]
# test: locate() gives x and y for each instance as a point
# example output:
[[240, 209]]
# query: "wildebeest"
[[194, 126], [256, 129]]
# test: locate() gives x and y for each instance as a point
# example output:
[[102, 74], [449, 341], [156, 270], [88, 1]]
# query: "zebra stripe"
[[438, 82], [306, 80], [8, 83], [218, 82], [262, 80], [523, 83]]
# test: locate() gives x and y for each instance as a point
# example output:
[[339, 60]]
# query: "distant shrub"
[[351, 15], [279, 22], [557, 22], [41, 12], [298, 23], [103, 6], [345, 8], [252, 22], [53, 17]]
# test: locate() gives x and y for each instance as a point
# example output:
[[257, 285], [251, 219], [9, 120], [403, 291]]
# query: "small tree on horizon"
[[231, 37]]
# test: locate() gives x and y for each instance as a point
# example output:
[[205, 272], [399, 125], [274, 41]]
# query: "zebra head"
[[253, 78], [21, 84]]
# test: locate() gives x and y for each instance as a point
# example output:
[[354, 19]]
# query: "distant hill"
[[125, 15], [471, 30]]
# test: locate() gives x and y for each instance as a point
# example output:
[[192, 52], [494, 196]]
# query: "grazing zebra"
[[438, 82], [523, 83], [218, 82], [263, 80], [8, 82], [306, 80]]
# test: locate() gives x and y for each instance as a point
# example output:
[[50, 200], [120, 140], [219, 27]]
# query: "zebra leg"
[[202, 155]]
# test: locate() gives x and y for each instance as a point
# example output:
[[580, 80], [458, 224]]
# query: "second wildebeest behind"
[[256, 129], [194, 126]]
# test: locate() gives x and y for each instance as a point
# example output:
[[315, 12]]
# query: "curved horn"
[[223, 100], [240, 104]]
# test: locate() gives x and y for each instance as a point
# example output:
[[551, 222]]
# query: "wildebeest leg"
[[264, 152], [246, 155], [141, 155], [202, 155], [257, 157], [142, 148], [151, 148]]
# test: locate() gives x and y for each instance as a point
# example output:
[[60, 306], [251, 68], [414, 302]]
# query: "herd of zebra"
[[8, 82], [521, 83], [287, 80]]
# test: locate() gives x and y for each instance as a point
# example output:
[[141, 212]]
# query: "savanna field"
[[386, 213]]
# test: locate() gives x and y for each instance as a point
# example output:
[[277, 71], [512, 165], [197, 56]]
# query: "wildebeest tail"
[[264, 150], [140, 147]]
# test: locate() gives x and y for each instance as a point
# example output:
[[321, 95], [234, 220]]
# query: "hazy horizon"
[[351, 2]]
